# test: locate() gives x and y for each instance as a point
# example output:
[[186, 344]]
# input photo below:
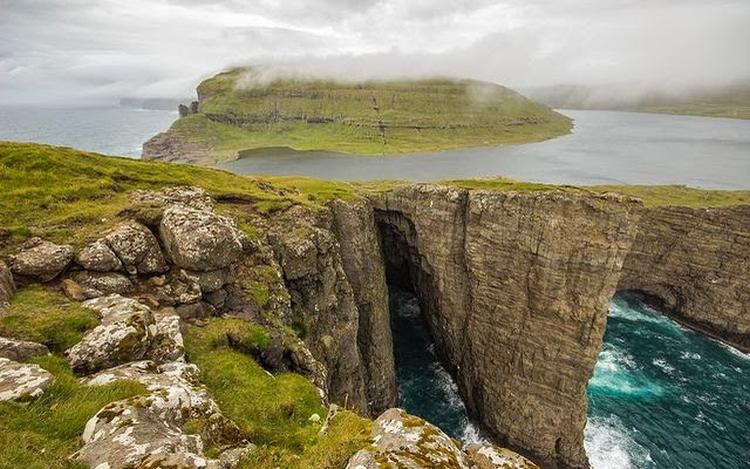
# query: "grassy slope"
[[425, 115], [42, 434], [68, 195]]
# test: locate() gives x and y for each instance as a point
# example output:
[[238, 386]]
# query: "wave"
[[609, 445], [617, 373]]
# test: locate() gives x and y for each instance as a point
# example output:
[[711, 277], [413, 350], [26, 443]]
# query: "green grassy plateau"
[[238, 112]]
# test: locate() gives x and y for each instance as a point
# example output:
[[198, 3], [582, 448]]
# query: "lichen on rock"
[[22, 381]]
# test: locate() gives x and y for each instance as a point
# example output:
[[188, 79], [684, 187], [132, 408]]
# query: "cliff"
[[243, 109], [694, 263], [279, 287]]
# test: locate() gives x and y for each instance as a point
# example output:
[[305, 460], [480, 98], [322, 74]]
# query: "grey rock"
[[216, 298], [124, 335], [104, 283], [7, 287], [167, 343], [98, 257], [200, 240], [20, 350], [147, 431], [22, 381], [41, 260], [137, 248], [190, 196], [494, 457], [77, 292], [199, 310], [178, 288], [212, 280], [405, 441]]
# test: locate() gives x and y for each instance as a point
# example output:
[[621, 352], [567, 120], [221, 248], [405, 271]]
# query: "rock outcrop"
[[20, 350], [148, 431], [128, 332], [22, 381], [7, 287], [515, 288], [405, 441], [40, 260], [696, 263]]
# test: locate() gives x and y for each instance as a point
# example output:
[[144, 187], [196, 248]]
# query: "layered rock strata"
[[515, 288], [695, 262]]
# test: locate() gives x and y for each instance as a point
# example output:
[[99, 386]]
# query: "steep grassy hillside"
[[239, 111]]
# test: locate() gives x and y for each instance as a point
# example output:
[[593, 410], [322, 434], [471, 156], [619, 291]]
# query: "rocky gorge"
[[514, 284]]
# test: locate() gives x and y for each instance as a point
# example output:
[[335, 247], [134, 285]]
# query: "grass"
[[44, 315], [239, 112], [71, 196], [272, 411], [652, 196], [42, 434]]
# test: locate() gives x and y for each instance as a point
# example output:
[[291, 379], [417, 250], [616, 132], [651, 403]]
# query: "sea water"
[[661, 396]]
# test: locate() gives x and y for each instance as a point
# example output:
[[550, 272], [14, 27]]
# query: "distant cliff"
[[240, 109]]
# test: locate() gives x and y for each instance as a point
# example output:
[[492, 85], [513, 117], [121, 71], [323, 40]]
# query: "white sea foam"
[[609, 445], [617, 371], [664, 365]]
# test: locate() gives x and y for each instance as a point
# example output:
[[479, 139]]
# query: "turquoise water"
[[661, 396], [110, 130], [664, 396], [424, 386]]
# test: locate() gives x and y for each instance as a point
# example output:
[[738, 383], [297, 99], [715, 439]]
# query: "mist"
[[55, 52]]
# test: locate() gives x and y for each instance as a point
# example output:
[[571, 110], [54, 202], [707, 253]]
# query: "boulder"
[[200, 240], [103, 283], [212, 280], [124, 335], [41, 260], [137, 248], [493, 457], [405, 441], [178, 288], [78, 292], [199, 310], [20, 350], [99, 257], [167, 344], [22, 381], [189, 196], [7, 286], [147, 431]]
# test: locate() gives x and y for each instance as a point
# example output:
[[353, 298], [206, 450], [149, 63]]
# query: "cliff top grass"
[[68, 195], [72, 196], [272, 411], [243, 109], [651, 196]]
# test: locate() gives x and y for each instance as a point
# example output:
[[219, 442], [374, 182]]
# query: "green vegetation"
[[42, 434], [71, 196], [44, 315], [274, 412], [652, 196], [240, 111]]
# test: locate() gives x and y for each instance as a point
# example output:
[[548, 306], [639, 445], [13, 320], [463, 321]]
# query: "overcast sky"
[[60, 51]]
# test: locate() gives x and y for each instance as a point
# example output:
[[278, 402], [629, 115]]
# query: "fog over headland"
[[58, 52]]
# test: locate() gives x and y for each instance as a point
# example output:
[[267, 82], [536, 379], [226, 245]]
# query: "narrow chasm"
[[425, 387]]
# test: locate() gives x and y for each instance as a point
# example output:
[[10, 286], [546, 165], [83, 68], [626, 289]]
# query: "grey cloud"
[[56, 51]]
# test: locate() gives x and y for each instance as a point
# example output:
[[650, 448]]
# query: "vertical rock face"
[[515, 288], [696, 261], [354, 225]]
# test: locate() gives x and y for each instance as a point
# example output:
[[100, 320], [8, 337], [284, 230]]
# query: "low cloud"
[[75, 51]]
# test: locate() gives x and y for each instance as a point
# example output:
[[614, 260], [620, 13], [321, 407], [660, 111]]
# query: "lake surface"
[[112, 131], [605, 148]]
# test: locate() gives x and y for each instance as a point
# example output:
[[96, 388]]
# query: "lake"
[[605, 148]]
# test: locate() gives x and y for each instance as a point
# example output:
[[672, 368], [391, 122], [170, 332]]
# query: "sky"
[[59, 52]]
